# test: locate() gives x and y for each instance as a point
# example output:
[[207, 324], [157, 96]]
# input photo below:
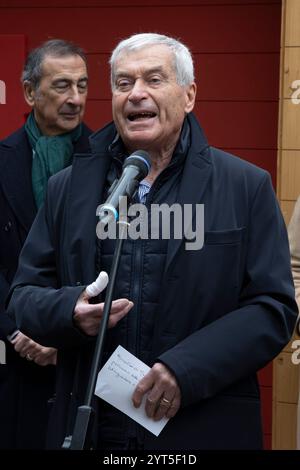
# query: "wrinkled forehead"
[[68, 64]]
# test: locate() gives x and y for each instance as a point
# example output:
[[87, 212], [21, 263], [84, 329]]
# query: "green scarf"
[[50, 155]]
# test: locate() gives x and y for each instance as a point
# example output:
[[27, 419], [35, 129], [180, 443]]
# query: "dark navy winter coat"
[[223, 312]]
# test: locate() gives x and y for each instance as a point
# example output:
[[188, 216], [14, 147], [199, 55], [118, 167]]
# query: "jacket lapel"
[[15, 176], [196, 175]]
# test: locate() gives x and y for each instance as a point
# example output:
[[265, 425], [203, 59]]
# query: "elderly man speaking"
[[205, 320]]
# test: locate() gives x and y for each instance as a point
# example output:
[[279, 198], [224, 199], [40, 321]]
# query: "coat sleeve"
[[241, 342], [42, 308]]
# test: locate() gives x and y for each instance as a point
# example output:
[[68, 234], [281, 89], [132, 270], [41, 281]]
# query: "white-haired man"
[[204, 320]]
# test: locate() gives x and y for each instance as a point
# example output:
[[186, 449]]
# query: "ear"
[[29, 93], [190, 97]]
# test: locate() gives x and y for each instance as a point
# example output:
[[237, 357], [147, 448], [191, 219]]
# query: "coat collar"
[[15, 173]]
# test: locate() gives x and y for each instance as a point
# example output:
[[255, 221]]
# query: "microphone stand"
[[83, 424]]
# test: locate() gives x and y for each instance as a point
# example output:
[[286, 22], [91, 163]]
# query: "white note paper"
[[116, 383]]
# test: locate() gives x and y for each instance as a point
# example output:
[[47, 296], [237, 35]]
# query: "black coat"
[[225, 311], [24, 387]]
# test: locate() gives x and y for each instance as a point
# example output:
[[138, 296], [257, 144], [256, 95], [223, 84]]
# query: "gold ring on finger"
[[165, 402]]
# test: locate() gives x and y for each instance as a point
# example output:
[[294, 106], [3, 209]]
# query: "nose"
[[138, 91], [75, 97]]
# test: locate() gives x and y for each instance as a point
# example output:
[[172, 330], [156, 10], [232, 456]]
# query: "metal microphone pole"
[[80, 439]]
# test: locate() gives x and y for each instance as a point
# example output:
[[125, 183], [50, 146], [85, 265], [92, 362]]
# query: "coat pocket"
[[224, 237]]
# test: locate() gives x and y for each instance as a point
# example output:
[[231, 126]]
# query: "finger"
[[17, 346], [41, 361], [45, 360], [171, 412], [114, 318], [32, 349], [50, 358], [168, 405], [144, 385], [96, 310], [151, 406], [23, 344], [119, 304], [44, 356], [175, 405], [98, 286], [163, 407], [87, 316], [20, 340], [154, 402], [49, 352]]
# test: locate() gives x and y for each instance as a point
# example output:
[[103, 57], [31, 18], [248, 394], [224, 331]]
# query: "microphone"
[[135, 168]]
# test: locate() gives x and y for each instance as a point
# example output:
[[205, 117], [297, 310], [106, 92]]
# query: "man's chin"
[[69, 125]]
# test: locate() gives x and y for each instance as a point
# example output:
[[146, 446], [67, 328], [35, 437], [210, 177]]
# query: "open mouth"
[[70, 114], [140, 116]]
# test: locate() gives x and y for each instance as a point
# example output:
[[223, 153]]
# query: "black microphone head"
[[140, 159]]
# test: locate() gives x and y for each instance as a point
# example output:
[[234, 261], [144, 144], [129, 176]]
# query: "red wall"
[[236, 49], [13, 106]]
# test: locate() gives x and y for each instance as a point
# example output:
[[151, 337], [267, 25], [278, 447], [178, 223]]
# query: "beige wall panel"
[[290, 175], [291, 124], [291, 72], [286, 378], [284, 430], [287, 208], [292, 30]]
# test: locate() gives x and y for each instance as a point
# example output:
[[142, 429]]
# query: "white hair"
[[183, 62]]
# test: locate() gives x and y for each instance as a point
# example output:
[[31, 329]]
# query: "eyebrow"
[[146, 72], [69, 80]]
